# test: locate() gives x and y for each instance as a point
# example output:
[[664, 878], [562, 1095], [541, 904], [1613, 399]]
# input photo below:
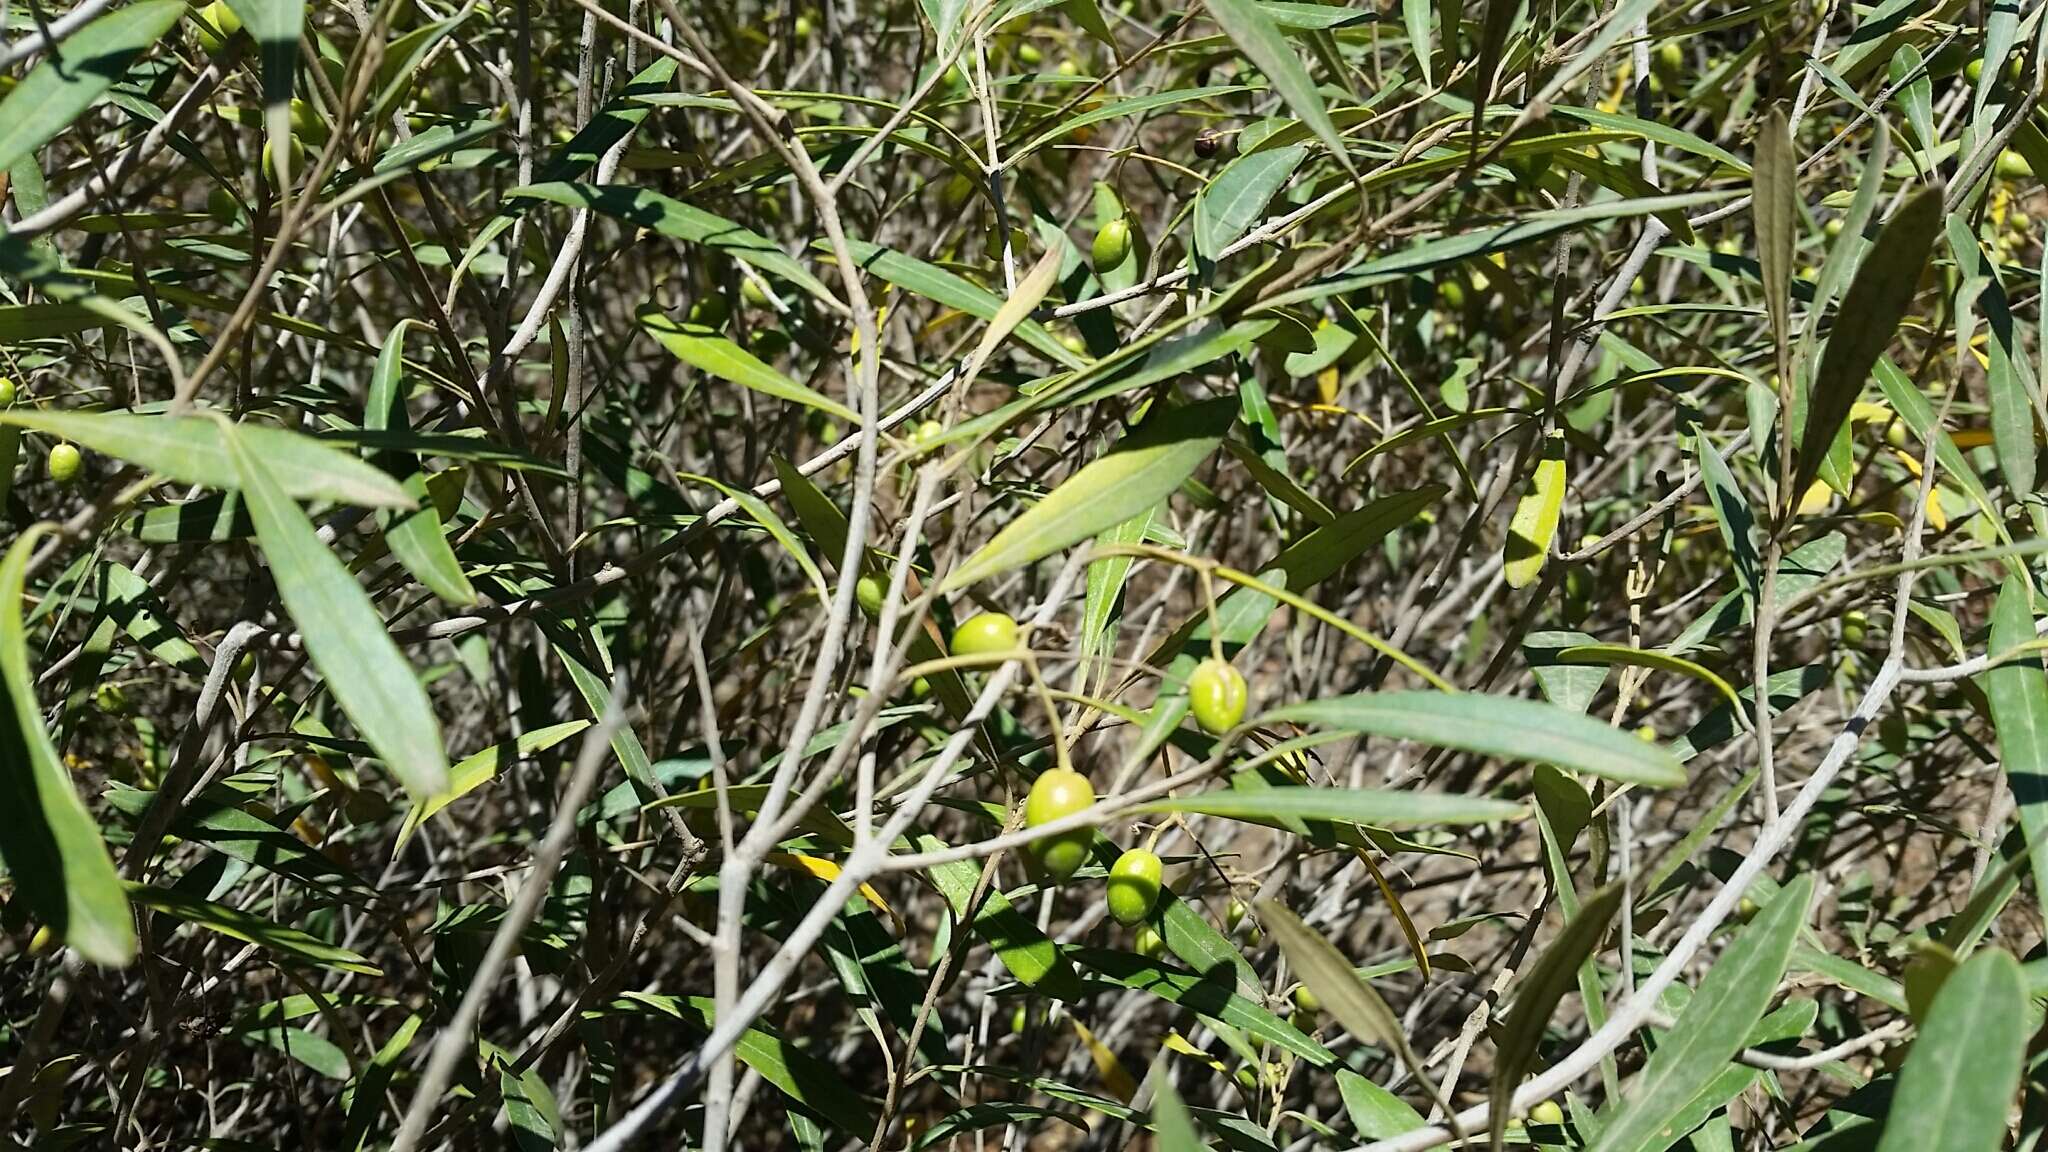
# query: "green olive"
[[1149, 943], [1216, 695], [1134, 885], [1670, 56], [1019, 1020], [218, 24], [926, 433], [1055, 794], [110, 699], [710, 311], [1029, 55], [65, 461], [803, 27], [985, 634], [1451, 294], [1073, 342], [1069, 68], [867, 591], [222, 205], [1546, 1112], [1233, 915], [753, 293], [295, 157], [1112, 244], [1305, 1000], [6, 391]]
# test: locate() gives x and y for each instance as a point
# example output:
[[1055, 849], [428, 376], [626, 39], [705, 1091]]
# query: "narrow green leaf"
[[707, 351], [1234, 199], [1263, 44], [52, 847], [1504, 727], [2018, 693], [287, 943], [1774, 208], [418, 538], [1373, 807], [346, 638], [677, 220], [935, 283], [1877, 299], [1375, 1112], [1210, 994], [1138, 473], [1712, 1029], [1963, 1073], [63, 86], [1555, 973], [193, 450], [478, 769], [1176, 1128]]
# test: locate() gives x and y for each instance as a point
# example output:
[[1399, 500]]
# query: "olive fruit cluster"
[[1135, 878]]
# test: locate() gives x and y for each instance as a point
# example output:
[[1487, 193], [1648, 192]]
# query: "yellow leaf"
[[828, 871], [1114, 1078]]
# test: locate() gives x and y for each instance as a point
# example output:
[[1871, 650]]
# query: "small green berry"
[[1546, 1112], [803, 27], [1029, 55], [1055, 794], [1112, 244], [65, 462], [1134, 886], [6, 391], [1305, 1000], [867, 592], [985, 634], [1216, 695], [752, 292], [1019, 1020], [1069, 68], [1149, 943]]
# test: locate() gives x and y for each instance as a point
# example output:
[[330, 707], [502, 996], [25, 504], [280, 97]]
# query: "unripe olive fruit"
[[1233, 915], [1112, 244], [926, 432], [1546, 1112], [1019, 1020], [803, 27], [218, 24], [867, 591], [752, 292], [6, 391], [986, 634], [1029, 55], [1305, 1000], [222, 205], [1451, 294], [295, 153], [1073, 342], [1069, 68], [110, 699], [710, 311], [1216, 695], [1670, 56], [65, 461], [1149, 943], [1134, 885], [1057, 793]]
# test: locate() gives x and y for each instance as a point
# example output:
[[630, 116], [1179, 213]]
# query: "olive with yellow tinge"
[[65, 463], [985, 635], [1216, 695], [1059, 793], [1134, 885]]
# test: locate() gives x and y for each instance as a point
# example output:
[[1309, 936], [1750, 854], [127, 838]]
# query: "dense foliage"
[[1023, 574]]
